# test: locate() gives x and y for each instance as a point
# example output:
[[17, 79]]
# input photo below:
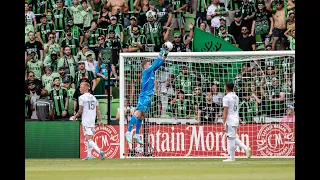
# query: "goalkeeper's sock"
[[93, 145], [231, 147], [138, 125], [240, 143], [132, 121]]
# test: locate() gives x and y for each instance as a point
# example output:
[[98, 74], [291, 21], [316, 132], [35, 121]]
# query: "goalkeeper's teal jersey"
[[148, 77]]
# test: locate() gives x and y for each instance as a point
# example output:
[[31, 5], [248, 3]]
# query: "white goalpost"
[[185, 117]]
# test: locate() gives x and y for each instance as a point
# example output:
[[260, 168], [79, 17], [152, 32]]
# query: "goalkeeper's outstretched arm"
[[158, 61]]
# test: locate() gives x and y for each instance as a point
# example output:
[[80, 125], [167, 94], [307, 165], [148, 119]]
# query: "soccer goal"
[[185, 119]]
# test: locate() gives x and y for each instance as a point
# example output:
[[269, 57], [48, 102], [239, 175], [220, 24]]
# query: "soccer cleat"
[[224, 154], [163, 52], [248, 152], [128, 137], [228, 160], [101, 155], [87, 158], [137, 139]]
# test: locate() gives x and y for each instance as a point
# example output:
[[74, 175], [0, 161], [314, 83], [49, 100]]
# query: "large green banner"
[[52, 139], [207, 42]]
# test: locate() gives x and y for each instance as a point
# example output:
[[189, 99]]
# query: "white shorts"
[[231, 131], [88, 131]]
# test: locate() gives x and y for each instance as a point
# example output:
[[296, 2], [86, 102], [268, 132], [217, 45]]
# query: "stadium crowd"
[[71, 41]]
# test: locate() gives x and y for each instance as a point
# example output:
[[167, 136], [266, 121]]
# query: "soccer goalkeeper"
[[147, 90]]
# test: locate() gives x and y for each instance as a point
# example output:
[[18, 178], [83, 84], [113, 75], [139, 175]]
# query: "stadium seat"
[[188, 18], [115, 104], [115, 92], [103, 105]]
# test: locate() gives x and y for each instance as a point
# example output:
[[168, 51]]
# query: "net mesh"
[[185, 118]]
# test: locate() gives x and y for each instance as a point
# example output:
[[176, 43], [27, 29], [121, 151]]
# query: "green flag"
[[206, 42]]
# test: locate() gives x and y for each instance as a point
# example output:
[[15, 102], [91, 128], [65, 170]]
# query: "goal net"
[[185, 118]]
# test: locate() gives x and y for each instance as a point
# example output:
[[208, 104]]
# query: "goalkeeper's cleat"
[[128, 137], [137, 139], [164, 52], [87, 158], [248, 152], [228, 160], [101, 155]]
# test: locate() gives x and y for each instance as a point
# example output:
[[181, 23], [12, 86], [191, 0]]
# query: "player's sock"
[[231, 147], [138, 125], [93, 145], [132, 121], [89, 154], [89, 149], [240, 143]]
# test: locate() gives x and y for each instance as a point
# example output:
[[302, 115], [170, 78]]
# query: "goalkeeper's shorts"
[[144, 103]]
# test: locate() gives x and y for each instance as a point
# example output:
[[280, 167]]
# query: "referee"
[[44, 107]]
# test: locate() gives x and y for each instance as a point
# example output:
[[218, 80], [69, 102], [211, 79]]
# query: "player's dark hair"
[[181, 92], [229, 86]]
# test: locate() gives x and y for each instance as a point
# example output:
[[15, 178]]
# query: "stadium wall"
[[52, 139], [204, 140]]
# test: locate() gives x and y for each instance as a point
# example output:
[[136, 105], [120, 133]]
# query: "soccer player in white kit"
[[88, 109], [231, 122]]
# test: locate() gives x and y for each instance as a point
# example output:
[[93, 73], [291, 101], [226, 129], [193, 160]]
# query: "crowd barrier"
[[52, 139]]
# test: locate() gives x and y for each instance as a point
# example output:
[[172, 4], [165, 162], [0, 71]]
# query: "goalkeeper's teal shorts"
[[144, 103]]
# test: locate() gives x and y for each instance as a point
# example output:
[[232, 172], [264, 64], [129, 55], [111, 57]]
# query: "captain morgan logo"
[[107, 139], [275, 140]]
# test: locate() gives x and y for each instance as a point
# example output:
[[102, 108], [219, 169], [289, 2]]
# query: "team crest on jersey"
[[107, 139], [275, 140]]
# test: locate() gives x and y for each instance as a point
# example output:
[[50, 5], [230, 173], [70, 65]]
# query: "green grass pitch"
[[159, 169]]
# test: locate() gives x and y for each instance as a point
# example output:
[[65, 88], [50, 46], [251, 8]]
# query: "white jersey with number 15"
[[231, 100], [89, 104]]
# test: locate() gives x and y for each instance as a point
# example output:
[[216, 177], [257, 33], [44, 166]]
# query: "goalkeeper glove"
[[164, 52]]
